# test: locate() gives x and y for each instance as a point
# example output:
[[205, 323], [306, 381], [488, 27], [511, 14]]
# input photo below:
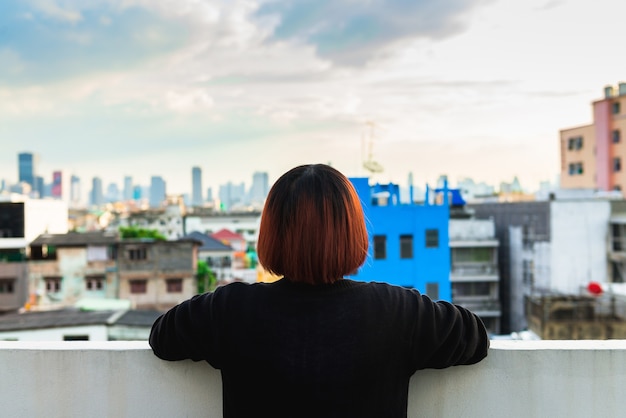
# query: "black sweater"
[[295, 350]]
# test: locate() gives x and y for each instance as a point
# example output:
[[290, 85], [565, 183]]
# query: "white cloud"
[[52, 9]]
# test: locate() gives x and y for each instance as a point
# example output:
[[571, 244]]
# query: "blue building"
[[408, 242]]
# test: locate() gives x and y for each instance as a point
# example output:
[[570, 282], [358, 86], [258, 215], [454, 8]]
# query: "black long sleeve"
[[346, 349]]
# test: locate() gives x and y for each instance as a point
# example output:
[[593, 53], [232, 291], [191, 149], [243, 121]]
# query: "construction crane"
[[369, 164]]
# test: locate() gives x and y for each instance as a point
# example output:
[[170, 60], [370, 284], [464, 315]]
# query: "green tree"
[[136, 232], [205, 278]]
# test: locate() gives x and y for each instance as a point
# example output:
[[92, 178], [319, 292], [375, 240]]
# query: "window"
[[616, 108], [137, 253], [76, 338], [95, 282], [174, 285], [575, 169], [432, 290], [575, 143], [53, 284], [406, 246], [432, 238], [617, 164], [7, 286], [616, 136], [472, 255], [138, 286], [471, 289], [380, 247]]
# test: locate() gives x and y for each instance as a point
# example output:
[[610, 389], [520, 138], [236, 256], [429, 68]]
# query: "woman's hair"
[[312, 227]]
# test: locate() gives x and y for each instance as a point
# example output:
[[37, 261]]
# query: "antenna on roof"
[[369, 164]]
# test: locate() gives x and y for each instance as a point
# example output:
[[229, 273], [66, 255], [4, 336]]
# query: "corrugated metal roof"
[[77, 239]]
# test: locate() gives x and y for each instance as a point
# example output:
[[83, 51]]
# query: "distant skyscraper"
[[57, 185], [157, 191], [39, 189], [196, 186], [113, 193], [128, 188], [138, 192], [231, 195], [209, 194], [75, 191], [259, 188], [27, 168], [97, 198]]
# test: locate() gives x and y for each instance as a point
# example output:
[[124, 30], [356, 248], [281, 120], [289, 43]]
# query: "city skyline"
[[468, 88], [257, 186]]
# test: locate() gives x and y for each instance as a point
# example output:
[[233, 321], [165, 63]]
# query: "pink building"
[[593, 156]]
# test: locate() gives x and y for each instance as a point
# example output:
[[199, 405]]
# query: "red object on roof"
[[594, 288], [227, 235]]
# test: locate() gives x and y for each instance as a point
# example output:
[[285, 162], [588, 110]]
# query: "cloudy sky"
[[468, 88]]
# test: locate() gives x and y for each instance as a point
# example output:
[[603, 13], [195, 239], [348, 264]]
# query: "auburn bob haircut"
[[312, 227]]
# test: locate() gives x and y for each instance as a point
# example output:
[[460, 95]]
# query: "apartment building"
[[408, 241], [474, 273], [594, 156]]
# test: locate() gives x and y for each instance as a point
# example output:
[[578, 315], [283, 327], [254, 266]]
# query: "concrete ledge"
[[124, 379]]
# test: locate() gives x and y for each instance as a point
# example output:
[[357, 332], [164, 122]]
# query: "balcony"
[[123, 379]]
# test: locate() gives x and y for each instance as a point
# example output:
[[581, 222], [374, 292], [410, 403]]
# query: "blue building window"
[[406, 246], [432, 238], [380, 247]]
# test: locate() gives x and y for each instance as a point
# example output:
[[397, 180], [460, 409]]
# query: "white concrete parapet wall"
[[124, 379]]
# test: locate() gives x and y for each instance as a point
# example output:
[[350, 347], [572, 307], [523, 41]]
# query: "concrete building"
[[157, 274], [245, 224], [552, 246], [65, 268], [408, 242], [21, 221], [594, 156], [474, 268], [218, 255], [167, 220], [78, 325]]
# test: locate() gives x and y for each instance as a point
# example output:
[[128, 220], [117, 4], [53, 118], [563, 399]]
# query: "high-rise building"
[[75, 192], [157, 191], [231, 195], [113, 193], [128, 188], [39, 190], [57, 185], [259, 188], [60, 187], [138, 193], [97, 197], [27, 169], [209, 194], [594, 156], [196, 186]]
